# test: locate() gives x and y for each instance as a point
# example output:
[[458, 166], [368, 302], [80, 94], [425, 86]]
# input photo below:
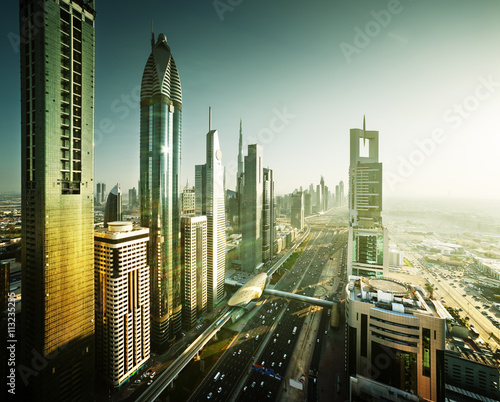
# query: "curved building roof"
[[160, 75], [252, 290]]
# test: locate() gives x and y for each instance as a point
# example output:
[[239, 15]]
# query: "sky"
[[300, 75]]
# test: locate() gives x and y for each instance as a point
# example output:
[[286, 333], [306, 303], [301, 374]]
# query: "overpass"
[[295, 296], [166, 378]]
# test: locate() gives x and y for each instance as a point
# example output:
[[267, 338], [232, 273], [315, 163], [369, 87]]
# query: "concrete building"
[[57, 176], [132, 197], [307, 204], [367, 251], [468, 368], [121, 301], [194, 268], [160, 148], [297, 212], [113, 209], [188, 198], [395, 336], [319, 201], [342, 195], [337, 195], [253, 189], [210, 199], [395, 256], [240, 178]]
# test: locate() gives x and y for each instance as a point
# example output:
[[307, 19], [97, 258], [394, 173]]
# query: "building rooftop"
[[120, 230], [394, 295]]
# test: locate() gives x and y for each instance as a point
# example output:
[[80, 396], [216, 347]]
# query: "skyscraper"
[[268, 215], [209, 189], [337, 195], [132, 197], [188, 200], [297, 213], [253, 195], [322, 189], [161, 109], [113, 209], [239, 177], [307, 204], [194, 268], [121, 301], [57, 115], [98, 193], [368, 246], [342, 196], [319, 201]]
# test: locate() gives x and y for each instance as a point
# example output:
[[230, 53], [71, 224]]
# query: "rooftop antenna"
[[209, 118], [152, 35]]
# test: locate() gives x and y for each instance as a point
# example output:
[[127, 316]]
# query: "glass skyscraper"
[[161, 111], [57, 137]]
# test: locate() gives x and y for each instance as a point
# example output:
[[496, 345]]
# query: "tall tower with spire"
[[160, 144], [367, 250], [210, 201], [239, 176]]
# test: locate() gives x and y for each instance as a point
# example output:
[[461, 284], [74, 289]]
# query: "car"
[[246, 336], [244, 389], [209, 395], [219, 390], [137, 381], [262, 384], [150, 382], [257, 338], [280, 364], [253, 384], [289, 341], [272, 364], [234, 353], [262, 363], [222, 377], [274, 340], [284, 356], [269, 394]]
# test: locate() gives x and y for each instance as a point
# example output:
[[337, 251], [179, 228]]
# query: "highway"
[[165, 378], [270, 342]]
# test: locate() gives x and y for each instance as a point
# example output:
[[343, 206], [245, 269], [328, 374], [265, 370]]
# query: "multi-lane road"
[[269, 338]]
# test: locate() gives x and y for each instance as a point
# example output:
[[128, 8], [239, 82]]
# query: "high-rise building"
[[132, 197], [239, 177], [368, 245], [209, 189], [268, 215], [319, 202], [98, 193], [326, 197], [342, 195], [297, 210], [113, 209], [4, 285], [322, 189], [161, 109], [395, 336], [194, 268], [307, 204], [57, 115], [121, 301], [337, 195], [251, 230], [188, 203]]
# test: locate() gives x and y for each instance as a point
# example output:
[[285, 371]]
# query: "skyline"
[[285, 70]]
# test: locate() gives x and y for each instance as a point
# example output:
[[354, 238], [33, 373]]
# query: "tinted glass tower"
[[113, 210], [161, 109], [57, 136]]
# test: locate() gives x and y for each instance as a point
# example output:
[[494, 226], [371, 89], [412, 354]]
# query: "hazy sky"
[[299, 74]]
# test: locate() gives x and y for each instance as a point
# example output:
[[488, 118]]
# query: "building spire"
[[152, 35], [209, 118], [240, 152]]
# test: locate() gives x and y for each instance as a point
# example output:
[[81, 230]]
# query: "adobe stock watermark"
[[221, 7], [363, 37], [28, 29], [454, 116], [278, 123], [120, 106]]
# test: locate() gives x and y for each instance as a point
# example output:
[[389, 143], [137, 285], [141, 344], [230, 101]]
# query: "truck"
[[216, 377], [294, 330]]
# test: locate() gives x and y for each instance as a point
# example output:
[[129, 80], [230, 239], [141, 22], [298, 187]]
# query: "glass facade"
[[57, 120], [160, 138]]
